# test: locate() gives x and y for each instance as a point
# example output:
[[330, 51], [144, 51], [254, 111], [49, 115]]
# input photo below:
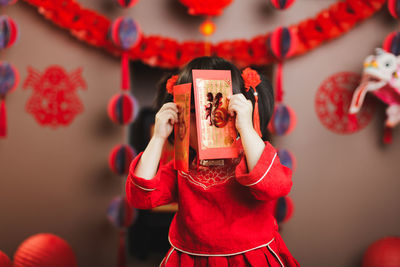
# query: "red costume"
[[225, 215]]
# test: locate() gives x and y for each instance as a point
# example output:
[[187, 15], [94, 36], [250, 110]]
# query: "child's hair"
[[264, 89]]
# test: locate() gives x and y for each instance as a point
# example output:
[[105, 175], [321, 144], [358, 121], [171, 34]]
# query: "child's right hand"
[[166, 117]]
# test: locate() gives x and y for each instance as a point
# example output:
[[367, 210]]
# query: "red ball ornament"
[[394, 8], [287, 158], [283, 209], [120, 159], [120, 213], [127, 3], [383, 253], [121, 108], [282, 43], [7, 3], [125, 33], [205, 7], [8, 32], [282, 4], [283, 120], [44, 250], [391, 43], [5, 260]]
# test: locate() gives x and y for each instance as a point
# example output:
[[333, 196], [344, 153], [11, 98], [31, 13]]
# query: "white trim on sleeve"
[[276, 255], [143, 188], [262, 177]]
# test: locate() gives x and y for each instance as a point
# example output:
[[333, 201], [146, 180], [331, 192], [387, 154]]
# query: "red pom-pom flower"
[[251, 78], [171, 83]]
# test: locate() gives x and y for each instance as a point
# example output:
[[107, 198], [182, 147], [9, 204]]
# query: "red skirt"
[[275, 254]]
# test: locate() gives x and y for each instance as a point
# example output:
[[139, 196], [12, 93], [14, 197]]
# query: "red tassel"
[[125, 71], [387, 136], [121, 249], [279, 89], [256, 117], [3, 119]]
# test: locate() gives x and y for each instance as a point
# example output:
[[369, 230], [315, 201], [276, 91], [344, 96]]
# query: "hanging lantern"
[[384, 252], [5, 260], [391, 43], [44, 250], [282, 4], [120, 159], [205, 7], [283, 209], [119, 213], [7, 2], [127, 3], [121, 109], [8, 32], [287, 159], [394, 8], [283, 120], [9, 79], [125, 34]]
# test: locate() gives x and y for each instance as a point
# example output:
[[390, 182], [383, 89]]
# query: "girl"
[[225, 215]]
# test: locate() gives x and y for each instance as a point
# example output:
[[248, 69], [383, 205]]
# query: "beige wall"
[[346, 187]]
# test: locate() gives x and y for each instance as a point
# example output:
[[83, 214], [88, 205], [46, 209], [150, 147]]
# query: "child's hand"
[[166, 117], [243, 108]]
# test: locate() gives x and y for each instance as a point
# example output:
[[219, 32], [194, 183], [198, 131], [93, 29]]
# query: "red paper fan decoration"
[[394, 8], [121, 109], [8, 32], [44, 250], [5, 260], [332, 103], [125, 33], [127, 3], [205, 7], [384, 252], [282, 4], [120, 159], [392, 43], [9, 79]]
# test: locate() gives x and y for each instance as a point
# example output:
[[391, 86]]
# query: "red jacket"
[[223, 210]]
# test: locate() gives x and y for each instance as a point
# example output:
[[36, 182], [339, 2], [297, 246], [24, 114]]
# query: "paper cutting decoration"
[[381, 77], [332, 103], [182, 128], [216, 132], [54, 101]]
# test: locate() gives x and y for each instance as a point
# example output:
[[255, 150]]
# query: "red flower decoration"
[[251, 78], [171, 83]]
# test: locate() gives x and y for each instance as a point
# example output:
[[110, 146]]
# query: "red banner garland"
[[91, 27]]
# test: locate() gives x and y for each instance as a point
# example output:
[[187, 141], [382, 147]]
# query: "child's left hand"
[[243, 108]]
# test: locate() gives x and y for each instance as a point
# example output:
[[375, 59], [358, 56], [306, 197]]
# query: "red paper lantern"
[[120, 159], [44, 250], [283, 120], [394, 8], [8, 32], [120, 213], [287, 158], [282, 43], [283, 209], [282, 4], [5, 260], [392, 43], [205, 7], [121, 108], [383, 253], [126, 3]]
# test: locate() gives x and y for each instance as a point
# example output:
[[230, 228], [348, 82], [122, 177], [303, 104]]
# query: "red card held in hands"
[[182, 128], [216, 132]]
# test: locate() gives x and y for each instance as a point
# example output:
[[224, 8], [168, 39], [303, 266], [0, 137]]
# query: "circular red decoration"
[[44, 250], [332, 103], [54, 101], [5, 260], [392, 43], [8, 32], [205, 7], [383, 253], [121, 108], [120, 213], [283, 120], [120, 159], [283, 43], [125, 33]]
